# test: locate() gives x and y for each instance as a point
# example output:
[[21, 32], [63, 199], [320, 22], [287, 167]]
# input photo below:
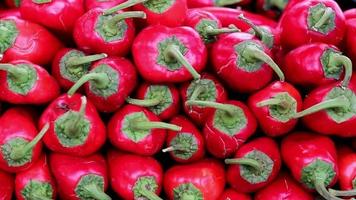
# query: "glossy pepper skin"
[[91, 4], [309, 26], [186, 145], [27, 41], [230, 194], [262, 155], [202, 180], [155, 52], [13, 12], [80, 177], [218, 3], [283, 186], [36, 182], [75, 126], [350, 38], [134, 176], [275, 106], [347, 168], [350, 13], [58, 15], [6, 186], [23, 82]]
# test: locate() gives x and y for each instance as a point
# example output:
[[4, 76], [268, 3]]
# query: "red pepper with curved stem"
[[162, 100], [217, 3], [230, 194], [134, 176], [27, 41], [75, 126], [350, 13], [20, 142], [208, 88], [255, 165], [113, 34], [275, 106], [80, 177], [200, 180], [69, 65], [103, 4], [13, 3], [231, 124], [324, 65], [108, 83], [58, 15], [312, 21], [283, 187], [241, 55], [36, 182], [6, 186], [350, 39], [137, 130], [271, 8], [22, 82], [186, 145], [173, 55]]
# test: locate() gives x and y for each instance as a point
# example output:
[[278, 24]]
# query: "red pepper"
[[80, 177], [6, 186], [217, 3], [13, 3], [108, 83], [186, 145], [200, 180], [19, 141], [255, 165], [347, 168], [208, 88], [290, 4], [271, 8], [28, 41], [135, 177], [69, 65], [275, 106], [324, 65], [106, 4], [162, 100], [58, 15], [231, 124], [350, 39], [137, 130], [241, 55], [36, 182], [312, 21], [75, 126], [22, 82], [13, 13], [350, 13], [95, 32], [173, 54], [230, 194], [283, 187]]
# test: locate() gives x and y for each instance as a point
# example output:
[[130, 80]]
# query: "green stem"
[[173, 148], [71, 127], [110, 26], [197, 91], [187, 196], [144, 102], [343, 193], [319, 184], [337, 59], [217, 31], [227, 2], [19, 153], [280, 4], [18, 73], [75, 61], [151, 125], [258, 32], [96, 193], [340, 101], [172, 51], [270, 102], [41, 1], [101, 80], [225, 107], [39, 197], [123, 5], [253, 52], [324, 18], [244, 161], [149, 194]]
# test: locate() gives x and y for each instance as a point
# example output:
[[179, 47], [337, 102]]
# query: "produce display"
[[177, 99]]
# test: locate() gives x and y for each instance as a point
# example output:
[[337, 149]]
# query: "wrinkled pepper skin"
[[230, 194], [6, 186]]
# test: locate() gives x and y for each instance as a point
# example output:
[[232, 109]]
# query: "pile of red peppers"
[[177, 100]]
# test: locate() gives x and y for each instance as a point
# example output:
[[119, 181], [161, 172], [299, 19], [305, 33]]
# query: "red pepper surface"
[[312, 21], [80, 177], [283, 187], [347, 168], [6, 186], [241, 55], [162, 100], [75, 126], [255, 165], [186, 145], [14, 12], [350, 13], [106, 4], [217, 3], [113, 34], [108, 83], [350, 39], [58, 15], [271, 9], [69, 65], [208, 88], [137, 130], [275, 106], [230, 194], [12, 3], [169, 55], [36, 182], [231, 124], [22, 82], [28, 41], [200, 180], [134, 177], [20, 145]]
